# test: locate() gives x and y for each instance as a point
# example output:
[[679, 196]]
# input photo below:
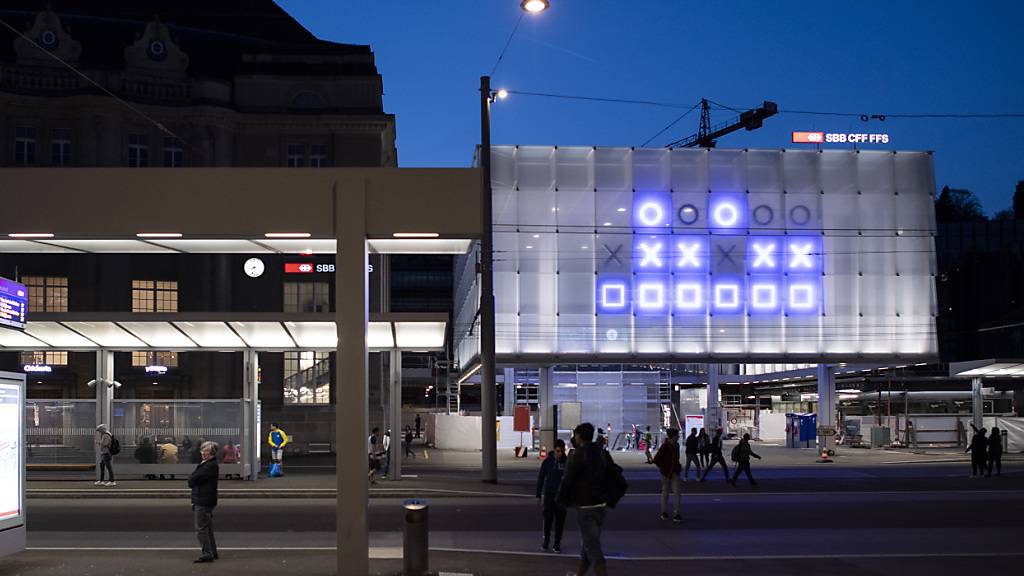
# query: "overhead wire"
[[507, 42], [671, 124]]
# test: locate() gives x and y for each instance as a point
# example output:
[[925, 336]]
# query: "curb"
[[228, 494]]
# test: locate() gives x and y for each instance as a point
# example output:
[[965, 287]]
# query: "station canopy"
[[988, 368], [206, 332], [160, 244]]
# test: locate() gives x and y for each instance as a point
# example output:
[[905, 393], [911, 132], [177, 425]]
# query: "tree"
[[956, 205], [1004, 214], [1018, 201]]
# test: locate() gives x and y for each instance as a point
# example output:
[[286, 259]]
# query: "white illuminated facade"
[[694, 254]]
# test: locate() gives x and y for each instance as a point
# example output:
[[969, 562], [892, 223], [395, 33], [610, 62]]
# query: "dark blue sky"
[[864, 57]]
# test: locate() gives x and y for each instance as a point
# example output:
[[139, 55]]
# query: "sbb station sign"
[[839, 138]]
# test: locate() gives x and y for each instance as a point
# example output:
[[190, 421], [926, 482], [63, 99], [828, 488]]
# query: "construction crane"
[[707, 134]]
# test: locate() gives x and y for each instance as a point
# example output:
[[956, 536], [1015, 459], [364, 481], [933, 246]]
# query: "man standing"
[[102, 441], [387, 453], [583, 486], [419, 424], [667, 460], [548, 481], [203, 483], [277, 440], [741, 454], [692, 453], [715, 449], [373, 455]]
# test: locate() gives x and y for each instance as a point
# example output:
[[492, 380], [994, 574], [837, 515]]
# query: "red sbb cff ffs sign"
[[808, 137], [307, 268]]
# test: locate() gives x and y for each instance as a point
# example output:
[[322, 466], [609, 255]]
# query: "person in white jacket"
[[102, 442]]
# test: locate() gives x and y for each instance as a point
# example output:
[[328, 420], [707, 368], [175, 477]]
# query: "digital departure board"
[[13, 304]]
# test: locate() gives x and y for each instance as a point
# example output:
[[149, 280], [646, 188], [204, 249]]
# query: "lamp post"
[[488, 400]]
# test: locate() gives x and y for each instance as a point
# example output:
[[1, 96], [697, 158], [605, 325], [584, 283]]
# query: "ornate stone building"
[[185, 83]]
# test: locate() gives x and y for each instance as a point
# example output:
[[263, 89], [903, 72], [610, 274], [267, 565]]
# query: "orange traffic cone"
[[825, 457]]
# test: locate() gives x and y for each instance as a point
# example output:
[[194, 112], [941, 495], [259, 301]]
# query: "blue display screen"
[[13, 304]]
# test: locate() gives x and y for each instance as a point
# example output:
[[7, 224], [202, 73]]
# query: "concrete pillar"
[[545, 401], [826, 407], [977, 403], [104, 388], [352, 317], [713, 417], [395, 416], [510, 392], [251, 431]]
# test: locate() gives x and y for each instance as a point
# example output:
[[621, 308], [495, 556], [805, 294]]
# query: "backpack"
[[615, 484], [115, 446], [735, 453]]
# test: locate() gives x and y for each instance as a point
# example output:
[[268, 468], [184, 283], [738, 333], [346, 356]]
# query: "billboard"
[[11, 450], [13, 304], [695, 254]]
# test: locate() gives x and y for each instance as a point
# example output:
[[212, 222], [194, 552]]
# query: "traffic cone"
[[543, 452], [825, 458]]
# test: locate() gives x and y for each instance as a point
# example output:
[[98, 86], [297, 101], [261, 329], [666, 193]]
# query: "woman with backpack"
[[106, 447]]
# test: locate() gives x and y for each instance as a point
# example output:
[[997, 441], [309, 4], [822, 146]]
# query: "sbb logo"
[[808, 137], [325, 267], [298, 268]]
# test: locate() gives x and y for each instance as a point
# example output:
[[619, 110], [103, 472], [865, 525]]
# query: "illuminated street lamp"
[[534, 5]]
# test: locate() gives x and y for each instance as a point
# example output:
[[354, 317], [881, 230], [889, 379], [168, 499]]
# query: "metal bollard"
[[416, 550]]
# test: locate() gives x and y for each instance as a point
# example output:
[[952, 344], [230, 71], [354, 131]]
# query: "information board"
[[13, 304], [11, 465]]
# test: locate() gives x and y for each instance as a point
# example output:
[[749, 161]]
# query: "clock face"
[[253, 267]]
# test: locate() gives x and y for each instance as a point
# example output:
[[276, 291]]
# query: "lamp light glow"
[[726, 214], [688, 254], [650, 214], [535, 6]]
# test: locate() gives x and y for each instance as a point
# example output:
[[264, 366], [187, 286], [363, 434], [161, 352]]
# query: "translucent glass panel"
[[687, 253]]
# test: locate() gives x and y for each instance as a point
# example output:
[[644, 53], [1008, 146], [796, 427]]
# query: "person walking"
[[667, 460], [648, 440], [703, 448], [741, 454], [408, 443], [373, 455], [548, 480], [419, 425], [602, 441], [583, 486], [692, 454], [103, 441], [277, 439], [203, 483], [715, 456], [978, 449], [611, 438], [995, 452], [386, 443]]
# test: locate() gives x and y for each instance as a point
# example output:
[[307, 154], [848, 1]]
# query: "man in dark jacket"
[[743, 454], [583, 486], [715, 450], [203, 483], [548, 481], [692, 454], [667, 460], [979, 451], [995, 452]]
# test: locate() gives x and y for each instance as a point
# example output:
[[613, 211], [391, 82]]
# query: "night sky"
[[862, 57]]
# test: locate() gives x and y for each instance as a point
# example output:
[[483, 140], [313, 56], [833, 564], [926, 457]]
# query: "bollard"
[[416, 552]]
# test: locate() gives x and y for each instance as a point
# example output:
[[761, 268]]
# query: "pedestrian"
[[978, 449], [231, 453], [408, 442], [197, 451], [636, 436], [203, 483], [103, 441], [995, 452], [692, 454], [373, 455], [583, 486], [386, 441], [648, 440], [548, 481], [667, 460], [168, 452], [703, 447], [146, 451], [741, 454], [601, 441], [277, 439], [419, 425], [608, 434], [715, 456]]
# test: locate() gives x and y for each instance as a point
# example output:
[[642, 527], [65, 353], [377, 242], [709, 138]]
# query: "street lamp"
[[488, 402]]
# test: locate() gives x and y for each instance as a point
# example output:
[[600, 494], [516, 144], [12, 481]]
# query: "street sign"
[[13, 304], [826, 431]]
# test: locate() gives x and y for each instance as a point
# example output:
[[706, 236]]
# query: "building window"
[[307, 297], [24, 145], [307, 378], [174, 153], [138, 151], [154, 296], [60, 147], [318, 156], [296, 155], [146, 358], [46, 293], [51, 358]]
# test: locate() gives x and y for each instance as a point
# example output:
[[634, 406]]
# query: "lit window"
[[60, 147], [50, 358], [307, 378], [318, 156], [174, 153], [307, 297], [138, 151], [24, 145], [46, 293], [154, 296], [296, 155], [160, 358]]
